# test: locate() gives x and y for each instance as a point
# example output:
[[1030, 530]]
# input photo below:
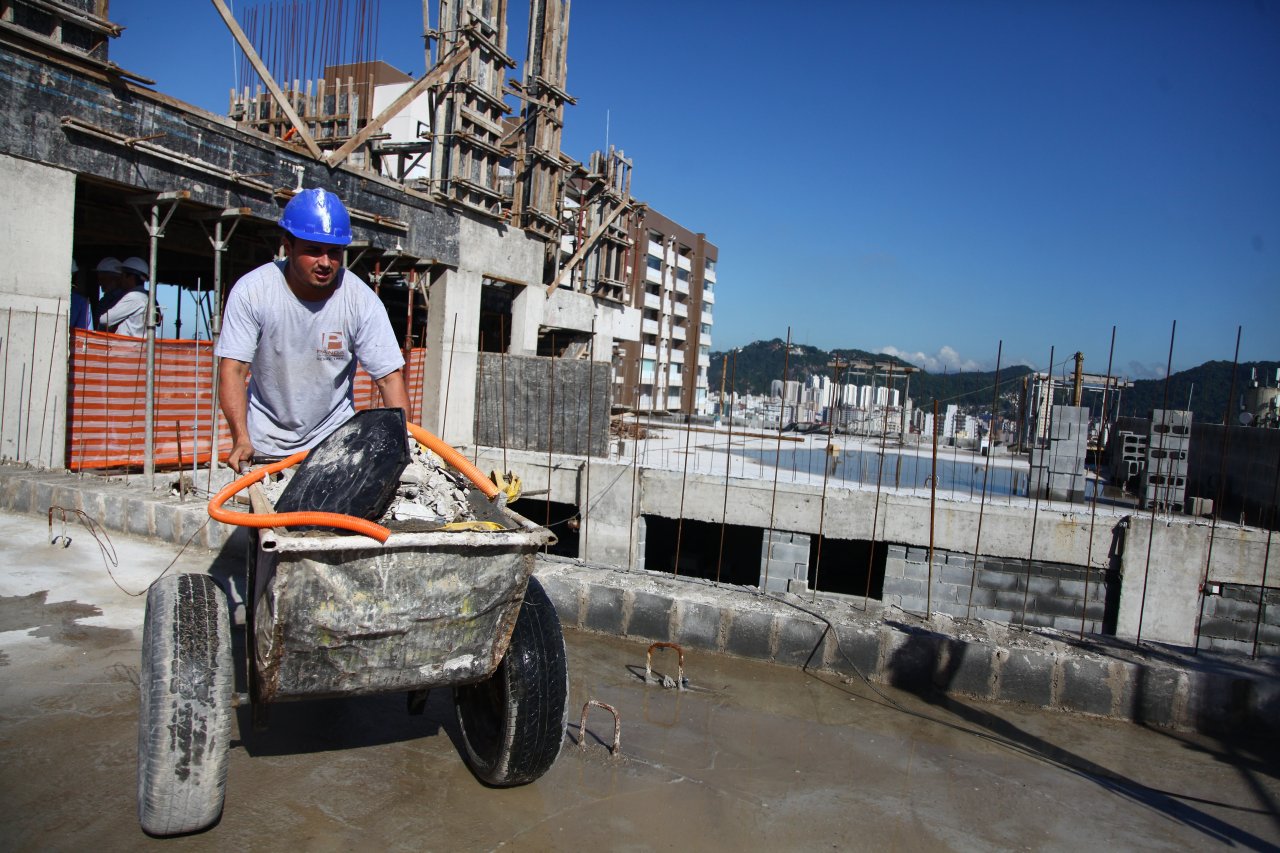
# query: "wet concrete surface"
[[754, 756]]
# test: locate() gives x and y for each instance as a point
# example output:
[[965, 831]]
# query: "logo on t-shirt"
[[333, 346]]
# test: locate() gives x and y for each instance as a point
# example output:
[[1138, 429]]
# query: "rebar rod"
[[875, 516], [1093, 508], [1035, 515], [44, 410], [591, 395], [635, 474], [1151, 533], [25, 449], [933, 506], [826, 476], [982, 501], [684, 479], [728, 456], [1266, 558], [4, 382], [551, 407], [777, 458], [1222, 477]]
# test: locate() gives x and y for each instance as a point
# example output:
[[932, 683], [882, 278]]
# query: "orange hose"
[[334, 519], [287, 519], [456, 459]]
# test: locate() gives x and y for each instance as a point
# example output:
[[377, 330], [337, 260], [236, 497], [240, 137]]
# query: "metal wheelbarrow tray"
[[332, 615]]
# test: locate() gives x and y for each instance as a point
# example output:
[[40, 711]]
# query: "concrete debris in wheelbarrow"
[[430, 491]]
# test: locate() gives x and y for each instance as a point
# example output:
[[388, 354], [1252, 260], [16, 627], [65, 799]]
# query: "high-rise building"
[[673, 281]]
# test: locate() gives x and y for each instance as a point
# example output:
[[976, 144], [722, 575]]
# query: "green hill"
[[1207, 386]]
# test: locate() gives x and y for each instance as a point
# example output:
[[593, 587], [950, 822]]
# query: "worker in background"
[[81, 313], [107, 273], [296, 329], [127, 315]]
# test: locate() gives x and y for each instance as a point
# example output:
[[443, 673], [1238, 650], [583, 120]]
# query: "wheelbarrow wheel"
[[513, 722], [184, 722]]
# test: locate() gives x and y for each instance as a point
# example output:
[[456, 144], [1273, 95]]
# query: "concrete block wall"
[[1050, 595], [784, 560], [114, 505], [1095, 677], [1231, 621], [518, 398]]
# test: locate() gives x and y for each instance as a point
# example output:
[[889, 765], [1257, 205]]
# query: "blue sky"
[[924, 178]]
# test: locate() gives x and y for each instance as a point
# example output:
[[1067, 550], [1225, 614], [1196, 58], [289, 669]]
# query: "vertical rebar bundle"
[[299, 39]]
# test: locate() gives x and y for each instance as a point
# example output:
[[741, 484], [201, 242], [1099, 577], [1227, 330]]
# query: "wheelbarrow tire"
[[184, 721], [513, 722]]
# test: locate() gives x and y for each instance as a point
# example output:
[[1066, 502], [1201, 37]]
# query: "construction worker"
[[296, 329], [81, 313], [107, 273], [127, 314]]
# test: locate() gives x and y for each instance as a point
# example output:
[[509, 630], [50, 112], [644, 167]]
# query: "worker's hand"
[[241, 454]]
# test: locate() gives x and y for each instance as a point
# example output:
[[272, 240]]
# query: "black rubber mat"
[[355, 470]]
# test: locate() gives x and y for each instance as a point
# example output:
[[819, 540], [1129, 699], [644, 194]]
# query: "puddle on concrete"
[[58, 621]]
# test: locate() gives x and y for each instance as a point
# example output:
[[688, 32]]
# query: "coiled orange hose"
[[334, 519]]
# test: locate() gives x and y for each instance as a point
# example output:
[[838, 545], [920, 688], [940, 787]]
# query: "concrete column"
[[526, 316], [36, 225], [1172, 582], [453, 325]]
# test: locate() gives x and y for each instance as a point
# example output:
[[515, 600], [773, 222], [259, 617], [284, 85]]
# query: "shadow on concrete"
[[905, 671]]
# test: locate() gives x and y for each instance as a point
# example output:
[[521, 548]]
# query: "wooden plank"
[[578, 256], [256, 62]]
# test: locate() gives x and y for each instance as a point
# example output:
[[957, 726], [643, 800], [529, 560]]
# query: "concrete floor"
[[754, 756]]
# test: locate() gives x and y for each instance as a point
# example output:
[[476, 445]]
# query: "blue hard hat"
[[318, 216]]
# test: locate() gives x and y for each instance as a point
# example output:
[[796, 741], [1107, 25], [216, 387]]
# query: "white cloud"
[[945, 358], [1146, 370]]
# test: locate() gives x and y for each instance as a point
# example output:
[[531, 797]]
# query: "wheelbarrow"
[[331, 613]]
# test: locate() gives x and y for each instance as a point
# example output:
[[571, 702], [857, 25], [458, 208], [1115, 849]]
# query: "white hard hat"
[[110, 265], [135, 265], [75, 268]]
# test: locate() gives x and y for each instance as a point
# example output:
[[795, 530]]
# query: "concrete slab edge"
[[887, 648], [116, 506]]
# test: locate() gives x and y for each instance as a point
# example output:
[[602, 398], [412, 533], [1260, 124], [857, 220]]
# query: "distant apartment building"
[[672, 283]]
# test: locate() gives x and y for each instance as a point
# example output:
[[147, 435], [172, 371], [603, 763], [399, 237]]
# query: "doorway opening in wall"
[[496, 299], [845, 565], [562, 519], [700, 549]]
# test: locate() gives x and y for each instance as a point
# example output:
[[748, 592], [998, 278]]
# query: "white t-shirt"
[[130, 311], [303, 355]]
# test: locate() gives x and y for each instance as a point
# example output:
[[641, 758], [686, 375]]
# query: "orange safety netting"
[[106, 421]]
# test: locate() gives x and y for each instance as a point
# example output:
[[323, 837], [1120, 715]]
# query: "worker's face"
[[108, 281], [313, 266]]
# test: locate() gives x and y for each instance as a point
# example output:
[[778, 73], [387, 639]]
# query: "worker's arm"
[[234, 397], [394, 394], [128, 305]]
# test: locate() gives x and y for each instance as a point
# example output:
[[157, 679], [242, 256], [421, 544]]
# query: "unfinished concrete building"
[[511, 325]]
